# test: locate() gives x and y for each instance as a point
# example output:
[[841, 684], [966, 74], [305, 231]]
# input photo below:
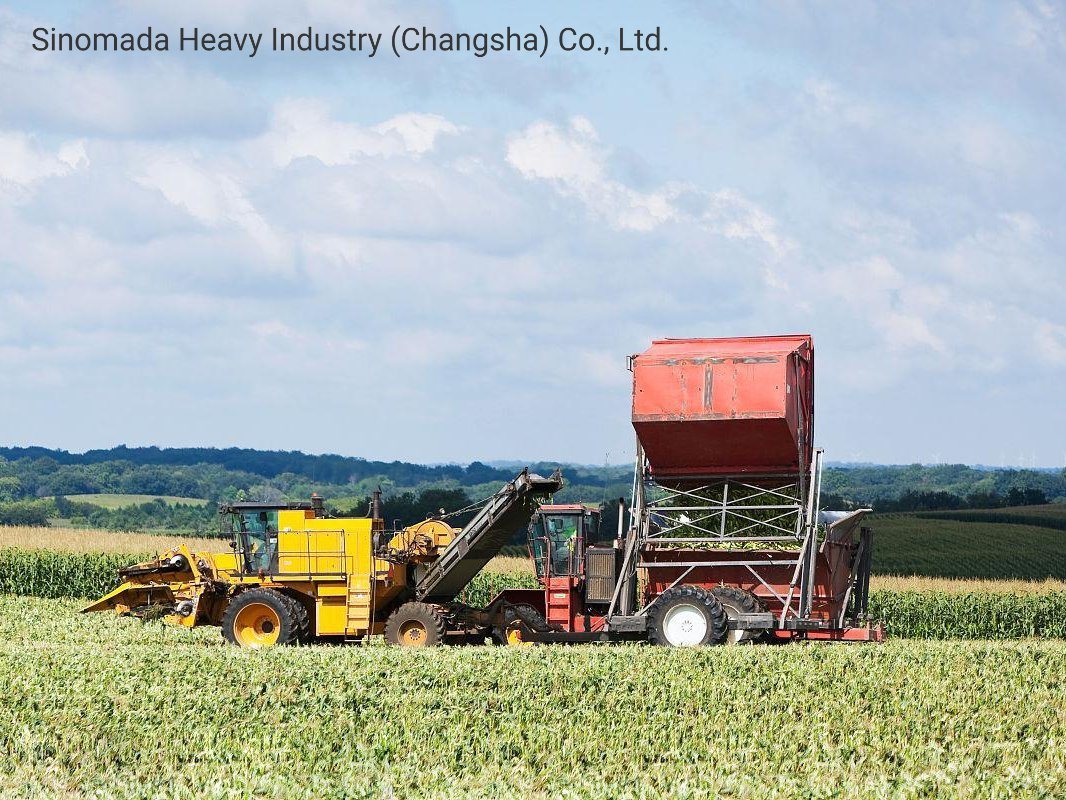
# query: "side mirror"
[[233, 545]]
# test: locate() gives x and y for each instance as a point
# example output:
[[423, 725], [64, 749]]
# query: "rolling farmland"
[[111, 501], [907, 544], [100, 705]]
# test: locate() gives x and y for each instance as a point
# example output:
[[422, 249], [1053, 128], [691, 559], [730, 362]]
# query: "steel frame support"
[[782, 512]]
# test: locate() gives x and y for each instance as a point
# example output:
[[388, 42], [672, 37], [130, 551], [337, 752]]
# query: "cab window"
[[562, 534], [259, 532]]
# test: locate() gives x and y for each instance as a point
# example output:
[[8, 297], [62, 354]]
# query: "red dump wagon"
[[706, 407], [727, 542], [728, 486]]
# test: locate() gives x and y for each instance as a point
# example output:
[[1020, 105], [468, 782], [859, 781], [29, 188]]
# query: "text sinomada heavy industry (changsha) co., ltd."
[[401, 39]]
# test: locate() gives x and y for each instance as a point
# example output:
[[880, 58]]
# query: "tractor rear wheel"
[[415, 625], [518, 622], [736, 602], [263, 618], [687, 616]]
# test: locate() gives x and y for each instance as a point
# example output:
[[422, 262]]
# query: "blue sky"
[[447, 258]]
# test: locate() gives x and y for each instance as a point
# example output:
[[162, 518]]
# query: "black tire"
[[735, 602], [671, 619], [304, 634], [416, 625], [521, 615], [238, 628]]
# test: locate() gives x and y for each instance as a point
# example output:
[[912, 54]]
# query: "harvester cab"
[[252, 529], [558, 536], [579, 577]]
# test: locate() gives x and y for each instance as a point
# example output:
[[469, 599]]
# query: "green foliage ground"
[[95, 706]]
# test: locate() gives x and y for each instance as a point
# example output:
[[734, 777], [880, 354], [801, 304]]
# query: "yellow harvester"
[[295, 572]]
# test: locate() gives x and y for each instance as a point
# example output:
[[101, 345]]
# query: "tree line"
[[32, 478], [326, 468], [944, 501]]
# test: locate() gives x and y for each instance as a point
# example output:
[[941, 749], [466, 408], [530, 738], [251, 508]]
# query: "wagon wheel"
[[687, 616], [736, 602]]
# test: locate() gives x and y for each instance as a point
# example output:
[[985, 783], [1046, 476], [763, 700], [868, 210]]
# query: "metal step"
[[507, 511]]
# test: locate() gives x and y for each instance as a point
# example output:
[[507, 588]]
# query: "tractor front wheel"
[[687, 616], [415, 625], [263, 618]]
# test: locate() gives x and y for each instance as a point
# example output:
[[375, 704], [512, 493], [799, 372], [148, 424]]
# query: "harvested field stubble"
[[904, 719], [87, 540]]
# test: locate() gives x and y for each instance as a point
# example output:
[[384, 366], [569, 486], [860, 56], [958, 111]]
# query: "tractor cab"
[[578, 577], [253, 531], [558, 536]]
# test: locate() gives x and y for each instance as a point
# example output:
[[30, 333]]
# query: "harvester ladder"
[[359, 601]]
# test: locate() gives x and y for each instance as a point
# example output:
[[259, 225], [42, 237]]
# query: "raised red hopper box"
[[715, 407]]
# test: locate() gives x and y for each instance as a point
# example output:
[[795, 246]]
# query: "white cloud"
[[218, 254], [24, 161], [212, 197], [1050, 340], [575, 163], [305, 128]]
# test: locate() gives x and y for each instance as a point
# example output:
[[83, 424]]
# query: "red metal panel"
[[745, 406], [826, 602]]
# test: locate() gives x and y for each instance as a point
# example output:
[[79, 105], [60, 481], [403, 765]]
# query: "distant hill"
[[328, 468], [879, 483], [211, 473]]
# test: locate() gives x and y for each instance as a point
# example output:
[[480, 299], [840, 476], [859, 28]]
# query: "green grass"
[[908, 545], [94, 705], [113, 501]]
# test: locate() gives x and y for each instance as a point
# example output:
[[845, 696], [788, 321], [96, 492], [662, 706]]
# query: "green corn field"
[[103, 706], [924, 614], [97, 705], [55, 573]]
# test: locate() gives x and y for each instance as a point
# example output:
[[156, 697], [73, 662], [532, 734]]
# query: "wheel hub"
[[685, 625], [257, 625], [414, 634]]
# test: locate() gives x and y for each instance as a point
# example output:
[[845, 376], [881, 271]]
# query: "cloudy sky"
[[445, 258]]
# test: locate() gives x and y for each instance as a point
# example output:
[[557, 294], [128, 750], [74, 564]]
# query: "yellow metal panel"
[[337, 589], [332, 616], [227, 562], [323, 546]]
